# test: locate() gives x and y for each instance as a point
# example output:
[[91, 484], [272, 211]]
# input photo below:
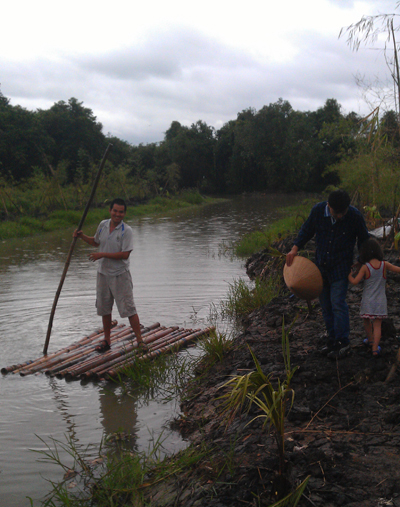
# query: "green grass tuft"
[[243, 298], [290, 223]]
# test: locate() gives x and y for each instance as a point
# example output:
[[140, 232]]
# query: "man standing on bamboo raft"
[[114, 282]]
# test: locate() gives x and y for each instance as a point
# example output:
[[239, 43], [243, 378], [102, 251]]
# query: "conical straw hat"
[[303, 278]]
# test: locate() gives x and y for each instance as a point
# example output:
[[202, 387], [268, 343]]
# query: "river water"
[[178, 269]]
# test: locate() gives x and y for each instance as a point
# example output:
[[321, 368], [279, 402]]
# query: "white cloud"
[[139, 66]]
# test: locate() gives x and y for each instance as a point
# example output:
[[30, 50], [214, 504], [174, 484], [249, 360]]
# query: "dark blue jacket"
[[335, 241]]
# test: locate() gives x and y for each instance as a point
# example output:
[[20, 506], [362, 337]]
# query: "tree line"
[[273, 149]]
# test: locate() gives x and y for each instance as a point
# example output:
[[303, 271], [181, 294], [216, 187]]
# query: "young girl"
[[373, 303]]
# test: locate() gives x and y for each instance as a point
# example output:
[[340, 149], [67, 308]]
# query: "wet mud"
[[343, 429]]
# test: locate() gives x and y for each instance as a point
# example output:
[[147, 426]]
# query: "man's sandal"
[[103, 346], [377, 352], [142, 348], [367, 343]]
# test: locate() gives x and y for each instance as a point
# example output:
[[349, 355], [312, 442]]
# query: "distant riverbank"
[[27, 225]]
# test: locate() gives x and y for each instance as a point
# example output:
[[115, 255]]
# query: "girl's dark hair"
[[370, 249]]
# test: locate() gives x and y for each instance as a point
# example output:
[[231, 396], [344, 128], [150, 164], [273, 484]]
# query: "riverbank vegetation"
[[48, 158], [114, 473], [244, 297], [292, 217], [30, 221]]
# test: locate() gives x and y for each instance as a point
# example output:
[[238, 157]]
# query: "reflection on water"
[[177, 270], [117, 410]]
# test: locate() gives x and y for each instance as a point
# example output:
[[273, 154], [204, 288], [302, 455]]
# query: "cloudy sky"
[[139, 65]]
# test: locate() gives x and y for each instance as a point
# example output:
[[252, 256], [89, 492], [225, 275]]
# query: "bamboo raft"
[[80, 361]]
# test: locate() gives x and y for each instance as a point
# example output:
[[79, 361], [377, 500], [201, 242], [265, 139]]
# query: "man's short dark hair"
[[339, 200], [118, 202]]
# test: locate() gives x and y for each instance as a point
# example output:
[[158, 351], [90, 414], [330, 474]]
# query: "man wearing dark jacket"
[[336, 226]]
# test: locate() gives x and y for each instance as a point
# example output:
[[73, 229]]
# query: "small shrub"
[[191, 196]]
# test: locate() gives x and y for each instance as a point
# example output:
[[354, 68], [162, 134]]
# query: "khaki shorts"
[[118, 288]]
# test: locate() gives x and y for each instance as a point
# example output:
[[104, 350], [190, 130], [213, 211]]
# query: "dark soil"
[[343, 430]]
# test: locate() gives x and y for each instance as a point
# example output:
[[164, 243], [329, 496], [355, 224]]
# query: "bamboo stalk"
[[72, 350], [86, 346], [101, 369], [126, 335], [74, 240], [113, 372], [119, 356], [111, 354], [74, 345]]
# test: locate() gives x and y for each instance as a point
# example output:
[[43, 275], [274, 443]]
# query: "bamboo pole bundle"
[[115, 356], [178, 344], [111, 354], [119, 341], [79, 358], [72, 351], [154, 352], [99, 370], [120, 354], [58, 365], [87, 346], [43, 359], [83, 348]]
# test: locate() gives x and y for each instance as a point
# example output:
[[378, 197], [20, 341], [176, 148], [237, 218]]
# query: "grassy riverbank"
[[26, 225], [292, 219]]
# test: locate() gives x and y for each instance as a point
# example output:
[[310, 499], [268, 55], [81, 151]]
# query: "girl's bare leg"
[[368, 330], [377, 325]]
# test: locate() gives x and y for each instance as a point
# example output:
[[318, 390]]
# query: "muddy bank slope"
[[343, 430]]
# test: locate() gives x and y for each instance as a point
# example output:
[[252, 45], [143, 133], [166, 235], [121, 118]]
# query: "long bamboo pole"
[[71, 249]]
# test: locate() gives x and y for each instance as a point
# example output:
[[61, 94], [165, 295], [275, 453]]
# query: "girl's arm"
[[360, 276], [391, 267]]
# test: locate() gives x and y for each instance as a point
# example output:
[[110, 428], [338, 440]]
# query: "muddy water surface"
[[178, 270]]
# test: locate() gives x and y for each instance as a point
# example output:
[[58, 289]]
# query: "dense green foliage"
[[56, 153], [275, 148], [28, 225]]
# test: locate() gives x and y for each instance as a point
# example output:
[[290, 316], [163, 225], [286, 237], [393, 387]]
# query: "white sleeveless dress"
[[374, 303]]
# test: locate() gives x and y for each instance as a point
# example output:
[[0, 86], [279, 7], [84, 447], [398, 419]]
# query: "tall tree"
[[77, 137], [20, 141]]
